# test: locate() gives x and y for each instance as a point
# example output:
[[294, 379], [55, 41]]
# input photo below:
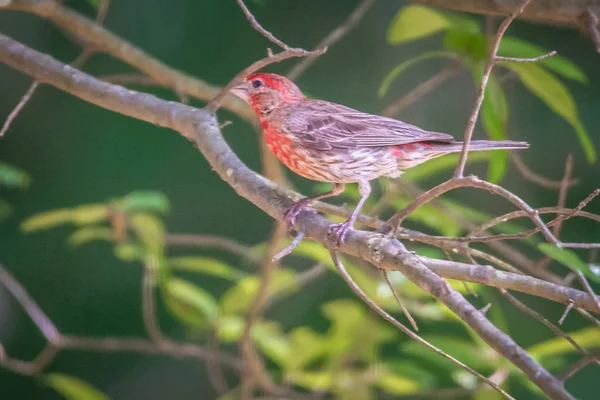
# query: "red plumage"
[[329, 142]]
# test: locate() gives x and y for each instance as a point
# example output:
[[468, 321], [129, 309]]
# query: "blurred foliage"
[[351, 353], [466, 44], [348, 358]]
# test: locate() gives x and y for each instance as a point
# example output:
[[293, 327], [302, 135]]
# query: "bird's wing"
[[322, 125]]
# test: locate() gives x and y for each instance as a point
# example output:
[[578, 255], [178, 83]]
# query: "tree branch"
[[202, 127]]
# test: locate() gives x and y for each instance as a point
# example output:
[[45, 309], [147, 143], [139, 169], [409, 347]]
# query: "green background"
[[78, 153]]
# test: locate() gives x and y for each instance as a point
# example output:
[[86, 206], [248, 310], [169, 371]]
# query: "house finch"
[[328, 142]]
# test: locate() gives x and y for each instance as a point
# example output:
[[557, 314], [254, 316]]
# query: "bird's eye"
[[256, 83]]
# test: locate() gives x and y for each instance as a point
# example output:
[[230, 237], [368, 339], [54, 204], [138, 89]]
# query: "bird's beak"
[[241, 91]]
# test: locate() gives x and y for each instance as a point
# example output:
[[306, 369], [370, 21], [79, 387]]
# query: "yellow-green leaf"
[[208, 266], [416, 22], [230, 327], [47, 220], [396, 384], [193, 305], [89, 214], [588, 338], [72, 388], [149, 229], [550, 90], [129, 252], [271, 340], [89, 233]]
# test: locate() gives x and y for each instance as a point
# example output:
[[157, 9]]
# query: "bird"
[[329, 142]]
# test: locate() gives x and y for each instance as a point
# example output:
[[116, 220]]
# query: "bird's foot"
[[337, 233], [289, 217]]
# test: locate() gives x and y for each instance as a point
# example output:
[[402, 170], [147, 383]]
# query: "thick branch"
[[553, 12], [202, 127]]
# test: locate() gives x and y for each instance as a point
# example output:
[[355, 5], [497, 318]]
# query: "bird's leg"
[[337, 232], [291, 213]]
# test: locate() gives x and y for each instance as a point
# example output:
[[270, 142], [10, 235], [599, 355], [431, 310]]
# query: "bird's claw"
[[289, 217], [337, 233]]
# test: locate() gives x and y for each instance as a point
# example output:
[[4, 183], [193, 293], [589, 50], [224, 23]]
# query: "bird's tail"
[[481, 145]]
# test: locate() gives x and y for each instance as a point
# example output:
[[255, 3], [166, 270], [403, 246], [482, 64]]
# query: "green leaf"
[[191, 304], [208, 266], [569, 259], [237, 299], [312, 380], [307, 346], [72, 388], [47, 220], [471, 46], [437, 165], [417, 22], [494, 117], [230, 328], [145, 201], [13, 177], [89, 233], [269, 337], [514, 47], [403, 66], [550, 90]]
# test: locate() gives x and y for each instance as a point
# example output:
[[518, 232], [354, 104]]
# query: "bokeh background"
[[77, 153]]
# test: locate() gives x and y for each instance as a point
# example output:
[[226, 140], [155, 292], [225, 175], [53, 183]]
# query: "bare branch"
[[578, 366], [15, 112], [399, 301], [211, 241], [590, 20], [39, 318], [525, 60], [342, 270], [254, 23], [531, 176], [588, 289], [569, 307], [545, 321], [333, 37], [492, 58]]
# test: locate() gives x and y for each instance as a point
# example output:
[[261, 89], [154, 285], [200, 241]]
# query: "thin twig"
[[39, 318], [211, 241], [148, 301], [399, 301], [254, 23], [470, 181], [15, 112], [531, 176], [578, 366], [421, 90], [289, 248], [484, 80], [255, 369], [563, 191], [569, 307], [342, 270], [534, 59], [333, 37], [544, 321]]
